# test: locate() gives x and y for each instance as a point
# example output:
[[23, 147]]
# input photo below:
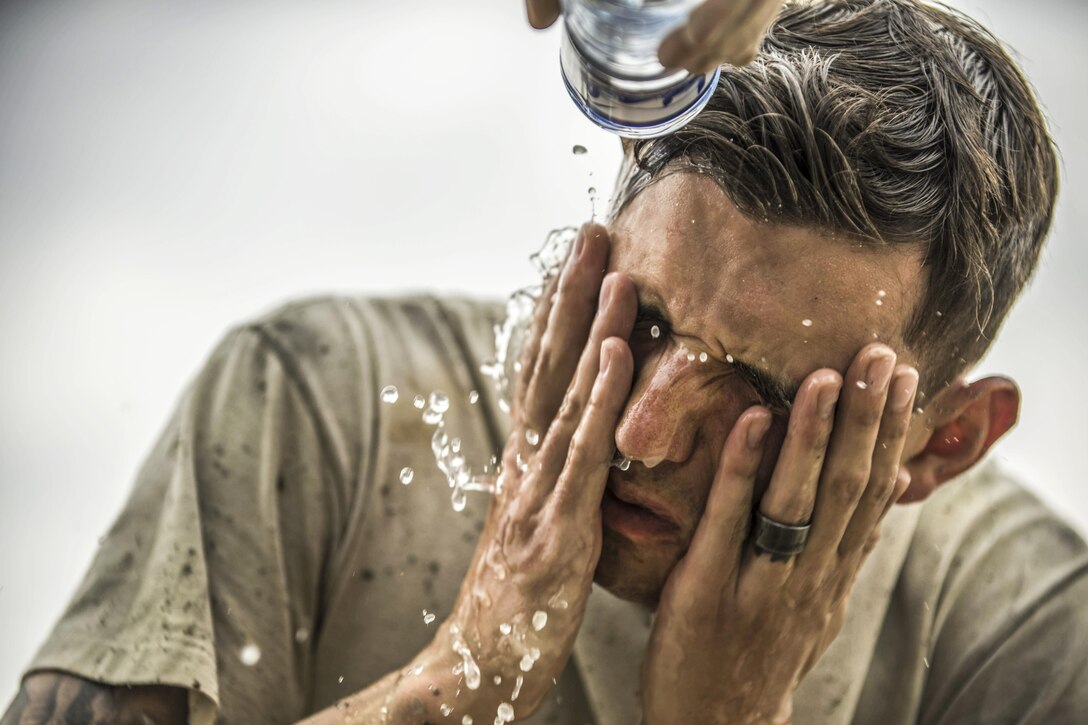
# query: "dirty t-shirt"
[[270, 560]]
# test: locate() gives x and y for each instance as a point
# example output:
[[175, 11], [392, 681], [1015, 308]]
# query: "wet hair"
[[888, 122]]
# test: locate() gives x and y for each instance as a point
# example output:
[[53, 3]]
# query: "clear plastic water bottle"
[[609, 63]]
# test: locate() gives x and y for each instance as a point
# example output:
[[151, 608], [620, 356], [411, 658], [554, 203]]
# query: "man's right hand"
[[542, 539]]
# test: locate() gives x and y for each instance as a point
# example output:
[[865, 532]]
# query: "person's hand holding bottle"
[[716, 32]]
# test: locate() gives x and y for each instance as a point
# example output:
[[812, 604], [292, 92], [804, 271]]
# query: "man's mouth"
[[628, 511]]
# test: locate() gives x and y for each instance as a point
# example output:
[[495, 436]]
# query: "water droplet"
[[302, 635], [472, 670], [729, 358], [432, 416], [940, 314], [532, 437], [466, 720], [445, 709], [419, 401], [458, 500], [390, 394], [505, 628], [340, 679], [881, 293], [862, 384], [540, 620], [406, 475], [625, 463], [691, 357], [526, 663], [497, 679], [592, 190], [506, 712], [250, 655], [925, 661], [806, 323], [703, 357], [473, 397], [879, 303], [428, 617], [517, 688], [439, 401], [655, 332], [534, 652], [578, 149]]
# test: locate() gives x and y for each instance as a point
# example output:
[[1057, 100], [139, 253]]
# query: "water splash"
[[406, 475], [389, 394], [579, 149], [510, 334], [471, 669]]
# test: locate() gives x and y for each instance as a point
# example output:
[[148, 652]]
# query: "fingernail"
[[825, 405], [880, 370], [903, 390], [757, 430]]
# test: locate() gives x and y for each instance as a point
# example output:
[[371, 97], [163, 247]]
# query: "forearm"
[[426, 690]]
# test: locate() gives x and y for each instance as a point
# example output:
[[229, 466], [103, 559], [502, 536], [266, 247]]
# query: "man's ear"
[[966, 419]]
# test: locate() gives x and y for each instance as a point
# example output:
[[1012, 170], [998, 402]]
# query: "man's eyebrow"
[[776, 392]]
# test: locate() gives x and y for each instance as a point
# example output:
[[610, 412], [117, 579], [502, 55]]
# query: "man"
[[775, 329]]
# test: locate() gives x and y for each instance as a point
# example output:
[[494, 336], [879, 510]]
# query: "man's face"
[[736, 306]]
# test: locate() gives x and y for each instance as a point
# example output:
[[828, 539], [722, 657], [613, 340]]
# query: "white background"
[[170, 169]]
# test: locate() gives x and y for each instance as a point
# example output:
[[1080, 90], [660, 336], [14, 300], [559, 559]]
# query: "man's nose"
[[662, 415]]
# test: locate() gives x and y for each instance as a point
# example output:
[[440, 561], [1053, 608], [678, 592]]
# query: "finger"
[[791, 494], [615, 318], [850, 452], [699, 35], [735, 39], [580, 487], [531, 348], [542, 13], [722, 532], [568, 325], [885, 466]]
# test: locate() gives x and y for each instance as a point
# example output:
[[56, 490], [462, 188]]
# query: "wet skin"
[[715, 282]]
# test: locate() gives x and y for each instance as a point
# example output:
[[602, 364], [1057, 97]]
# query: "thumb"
[[542, 13]]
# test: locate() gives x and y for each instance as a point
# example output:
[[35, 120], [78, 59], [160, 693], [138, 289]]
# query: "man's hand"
[[522, 602], [736, 631], [716, 32]]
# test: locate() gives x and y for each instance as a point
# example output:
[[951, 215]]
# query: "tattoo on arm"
[[55, 697]]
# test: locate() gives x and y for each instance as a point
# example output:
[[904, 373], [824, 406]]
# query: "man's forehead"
[[796, 296]]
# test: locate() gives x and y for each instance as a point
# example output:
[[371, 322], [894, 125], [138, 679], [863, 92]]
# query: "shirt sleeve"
[[1009, 641], [210, 578]]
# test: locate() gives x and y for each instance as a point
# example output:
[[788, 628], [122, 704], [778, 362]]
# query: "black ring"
[[780, 541]]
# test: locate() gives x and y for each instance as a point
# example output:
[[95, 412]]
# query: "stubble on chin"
[[633, 573]]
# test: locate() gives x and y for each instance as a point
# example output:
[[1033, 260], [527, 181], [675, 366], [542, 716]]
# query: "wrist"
[[435, 686]]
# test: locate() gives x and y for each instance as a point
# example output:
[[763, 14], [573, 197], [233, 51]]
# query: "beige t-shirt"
[[270, 560]]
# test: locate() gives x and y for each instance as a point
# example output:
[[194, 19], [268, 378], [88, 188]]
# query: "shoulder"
[[997, 584]]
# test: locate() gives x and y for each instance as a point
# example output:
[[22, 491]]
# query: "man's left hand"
[[736, 630]]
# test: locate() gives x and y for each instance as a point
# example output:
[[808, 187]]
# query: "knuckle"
[[851, 483], [570, 412]]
